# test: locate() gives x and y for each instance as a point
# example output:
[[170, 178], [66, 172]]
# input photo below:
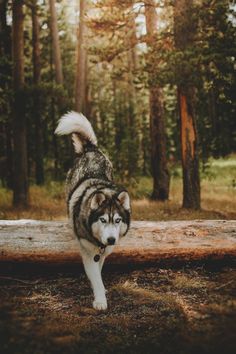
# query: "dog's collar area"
[[97, 257]]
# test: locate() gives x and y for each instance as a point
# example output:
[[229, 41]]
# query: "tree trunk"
[[190, 163], [4, 30], [20, 189], [184, 30], [5, 68], [53, 119], [35, 44], [131, 39], [212, 111], [88, 96], [81, 71], [54, 139], [161, 177], [9, 151], [133, 126], [55, 44], [39, 171], [43, 243]]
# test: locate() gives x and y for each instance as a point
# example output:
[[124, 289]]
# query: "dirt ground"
[[150, 311]]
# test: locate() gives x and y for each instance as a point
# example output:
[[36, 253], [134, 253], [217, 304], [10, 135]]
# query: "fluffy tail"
[[78, 125]]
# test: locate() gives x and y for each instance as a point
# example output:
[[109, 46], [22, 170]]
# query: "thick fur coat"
[[98, 209]]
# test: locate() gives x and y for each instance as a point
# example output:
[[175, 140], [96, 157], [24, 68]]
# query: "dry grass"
[[217, 203], [44, 205], [218, 194], [189, 283], [150, 311]]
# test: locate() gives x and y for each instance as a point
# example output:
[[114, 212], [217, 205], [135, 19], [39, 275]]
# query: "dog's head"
[[110, 216]]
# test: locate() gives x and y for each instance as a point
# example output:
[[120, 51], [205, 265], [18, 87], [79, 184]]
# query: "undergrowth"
[[218, 195]]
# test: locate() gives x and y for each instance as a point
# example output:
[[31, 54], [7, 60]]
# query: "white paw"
[[100, 305]]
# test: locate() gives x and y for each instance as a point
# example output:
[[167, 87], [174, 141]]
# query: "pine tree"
[[81, 73], [20, 187], [161, 177], [184, 32], [55, 44], [39, 170], [5, 101]]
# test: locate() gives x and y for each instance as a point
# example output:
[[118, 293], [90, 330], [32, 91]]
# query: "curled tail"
[[78, 125]]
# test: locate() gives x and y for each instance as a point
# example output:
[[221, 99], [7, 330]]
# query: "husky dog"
[[99, 210]]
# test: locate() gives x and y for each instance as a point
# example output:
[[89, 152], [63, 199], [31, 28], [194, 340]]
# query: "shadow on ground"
[[150, 311]]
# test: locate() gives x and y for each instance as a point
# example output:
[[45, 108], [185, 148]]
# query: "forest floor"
[[150, 311]]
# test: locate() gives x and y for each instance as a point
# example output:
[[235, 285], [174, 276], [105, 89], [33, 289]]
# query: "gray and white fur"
[[98, 209]]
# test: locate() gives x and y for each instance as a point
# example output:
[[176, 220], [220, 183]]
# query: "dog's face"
[[110, 217]]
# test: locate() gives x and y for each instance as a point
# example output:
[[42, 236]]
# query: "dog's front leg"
[[108, 251], [101, 262], [93, 272]]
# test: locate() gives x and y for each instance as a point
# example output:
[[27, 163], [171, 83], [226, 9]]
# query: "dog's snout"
[[111, 240]]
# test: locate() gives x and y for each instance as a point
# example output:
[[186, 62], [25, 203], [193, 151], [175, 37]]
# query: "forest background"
[[155, 78]]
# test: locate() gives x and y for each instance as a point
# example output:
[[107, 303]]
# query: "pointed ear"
[[124, 200], [97, 200]]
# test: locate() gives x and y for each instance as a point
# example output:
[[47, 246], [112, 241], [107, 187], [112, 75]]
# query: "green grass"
[[218, 195]]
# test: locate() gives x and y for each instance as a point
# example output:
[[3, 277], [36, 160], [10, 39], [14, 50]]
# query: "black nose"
[[111, 240]]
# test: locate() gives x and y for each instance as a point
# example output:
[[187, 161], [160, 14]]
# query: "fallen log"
[[52, 242]]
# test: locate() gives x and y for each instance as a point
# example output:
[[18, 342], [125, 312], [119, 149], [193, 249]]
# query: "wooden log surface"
[[53, 242]]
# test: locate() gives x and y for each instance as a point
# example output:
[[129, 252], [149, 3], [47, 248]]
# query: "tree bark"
[[5, 68], [190, 163], [39, 170], [4, 29], [35, 43], [54, 139], [20, 188], [184, 30], [9, 152], [161, 177], [55, 44], [81, 71], [159, 243], [133, 124]]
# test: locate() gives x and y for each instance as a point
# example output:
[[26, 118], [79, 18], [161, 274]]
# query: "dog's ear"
[[97, 200], [124, 200]]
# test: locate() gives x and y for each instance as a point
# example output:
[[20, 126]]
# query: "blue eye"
[[103, 220], [117, 221]]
